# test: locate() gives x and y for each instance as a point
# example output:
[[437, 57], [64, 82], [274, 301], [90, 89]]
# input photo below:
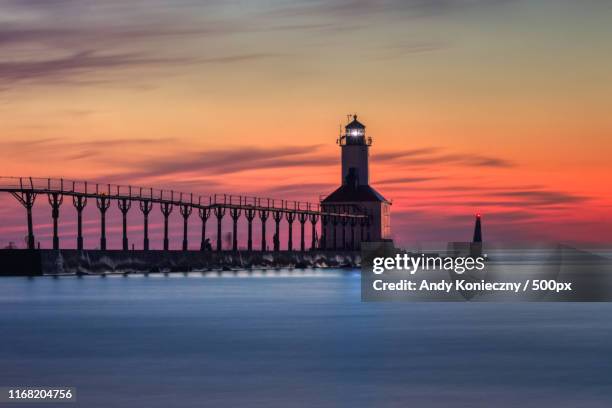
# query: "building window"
[[386, 221]]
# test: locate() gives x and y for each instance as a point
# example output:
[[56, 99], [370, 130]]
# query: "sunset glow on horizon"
[[508, 118]]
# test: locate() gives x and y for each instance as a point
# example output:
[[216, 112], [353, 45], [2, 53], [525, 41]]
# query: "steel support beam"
[[235, 214], [313, 239], [166, 209], [250, 213], [290, 216], [219, 213], [79, 203], [55, 200], [277, 216], [146, 207], [124, 206], [204, 215], [302, 217], [27, 198], [263, 216], [103, 203], [185, 212]]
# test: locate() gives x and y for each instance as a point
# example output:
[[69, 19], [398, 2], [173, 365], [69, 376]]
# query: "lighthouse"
[[355, 195], [355, 151]]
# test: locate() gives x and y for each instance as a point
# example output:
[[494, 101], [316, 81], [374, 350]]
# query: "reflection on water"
[[285, 339]]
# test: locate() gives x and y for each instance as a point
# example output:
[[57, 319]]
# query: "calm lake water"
[[302, 339]]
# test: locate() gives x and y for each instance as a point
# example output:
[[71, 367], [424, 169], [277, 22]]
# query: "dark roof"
[[355, 124], [347, 193]]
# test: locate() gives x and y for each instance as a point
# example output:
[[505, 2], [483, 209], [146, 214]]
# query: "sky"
[[498, 107]]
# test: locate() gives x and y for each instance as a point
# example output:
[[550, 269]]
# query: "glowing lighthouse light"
[[356, 132]]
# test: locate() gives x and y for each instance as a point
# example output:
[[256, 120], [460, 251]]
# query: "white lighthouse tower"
[[355, 193], [355, 153]]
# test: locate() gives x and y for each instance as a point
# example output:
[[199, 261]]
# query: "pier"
[[255, 212]]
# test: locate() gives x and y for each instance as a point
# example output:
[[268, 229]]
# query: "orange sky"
[[494, 106]]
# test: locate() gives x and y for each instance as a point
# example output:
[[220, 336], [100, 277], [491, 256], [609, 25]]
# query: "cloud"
[[88, 66], [74, 42], [72, 150], [70, 42], [351, 9], [233, 160], [465, 159], [302, 189], [69, 67], [474, 188], [97, 36], [436, 155], [402, 154], [403, 49], [510, 197], [57, 143], [237, 58], [405, 180], [543, 197]]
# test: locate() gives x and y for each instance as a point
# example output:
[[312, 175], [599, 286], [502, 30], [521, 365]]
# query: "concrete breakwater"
[[22, 262]]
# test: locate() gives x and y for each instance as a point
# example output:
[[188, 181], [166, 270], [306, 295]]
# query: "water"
[[295, 340]]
